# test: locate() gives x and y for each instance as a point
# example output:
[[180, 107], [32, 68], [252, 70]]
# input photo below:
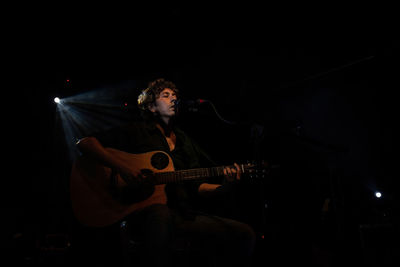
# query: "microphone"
[[186, 104]]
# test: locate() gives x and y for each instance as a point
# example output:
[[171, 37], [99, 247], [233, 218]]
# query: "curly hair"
[[153, 90]]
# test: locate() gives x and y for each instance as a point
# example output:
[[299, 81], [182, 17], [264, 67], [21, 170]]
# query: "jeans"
[[223, 241]]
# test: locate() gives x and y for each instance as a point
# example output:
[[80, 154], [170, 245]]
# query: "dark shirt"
[[141, 137]]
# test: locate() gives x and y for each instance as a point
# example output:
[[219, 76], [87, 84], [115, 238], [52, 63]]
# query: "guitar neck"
[[190, 174]]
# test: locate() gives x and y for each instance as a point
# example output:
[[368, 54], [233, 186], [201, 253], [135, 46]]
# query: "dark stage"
[[313, 95]]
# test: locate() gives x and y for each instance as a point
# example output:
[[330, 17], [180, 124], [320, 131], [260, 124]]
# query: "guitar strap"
[[204, 154]]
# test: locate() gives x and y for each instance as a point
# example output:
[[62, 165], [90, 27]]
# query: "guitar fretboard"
[[190, 174]]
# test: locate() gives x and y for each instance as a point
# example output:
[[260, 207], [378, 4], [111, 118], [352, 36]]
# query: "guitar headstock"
[[255, 169]]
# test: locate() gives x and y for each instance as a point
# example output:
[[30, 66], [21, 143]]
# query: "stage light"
[[91, 111], [378, 194]]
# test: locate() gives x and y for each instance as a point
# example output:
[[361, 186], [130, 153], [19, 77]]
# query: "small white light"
[[378, 194], [57, 100]]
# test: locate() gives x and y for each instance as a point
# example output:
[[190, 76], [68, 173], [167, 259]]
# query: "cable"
[[218, 115]]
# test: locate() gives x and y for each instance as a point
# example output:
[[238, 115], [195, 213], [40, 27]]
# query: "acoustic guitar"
[[96, 190]]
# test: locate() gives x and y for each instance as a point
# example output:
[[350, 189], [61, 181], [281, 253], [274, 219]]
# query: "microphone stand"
[[258, 194], [255, 192]]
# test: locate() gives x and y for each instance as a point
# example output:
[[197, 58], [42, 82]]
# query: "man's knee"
[[248, 236]]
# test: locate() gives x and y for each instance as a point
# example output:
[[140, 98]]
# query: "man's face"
[[164, 105]]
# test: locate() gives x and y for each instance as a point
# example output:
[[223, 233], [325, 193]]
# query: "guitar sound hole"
[[159, 161]]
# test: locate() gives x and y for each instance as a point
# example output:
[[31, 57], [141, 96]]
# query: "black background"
[[320, 80]]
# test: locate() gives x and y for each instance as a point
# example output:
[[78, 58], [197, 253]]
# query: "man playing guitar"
[[136, 164]]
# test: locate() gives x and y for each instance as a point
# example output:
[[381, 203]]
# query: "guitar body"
[[92, 202]]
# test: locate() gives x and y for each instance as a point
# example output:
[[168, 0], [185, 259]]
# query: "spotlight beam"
[[85, 114]]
